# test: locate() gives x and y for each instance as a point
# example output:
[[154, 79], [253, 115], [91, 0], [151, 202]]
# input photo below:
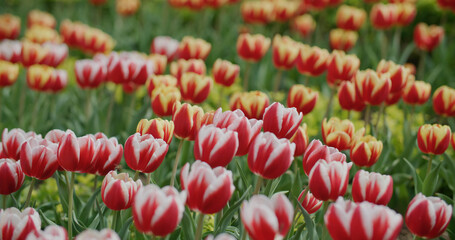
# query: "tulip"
[[338, 133], [127, 7], [371, 87], [159, 63], [73, 33], [317, 4], [209, 190], [372, 187], [257, 12], [366, 151], [343, 39], [10, 26], [187, 120], [10, 50], [252, 104], [57, 81], [453, 141], [183, 66], [118, 190], [158, 128], [329, 180], [55, 136], [398, 74], [11, 175], [300, 139], [304, 25], [95, 41], [312, 61], [215, 146], [8, 73], [98, 2], [215, 3], [252, 47], [247, 129], [207, 119], [309, 202], [267, 218], [165, 45], [281, 121], [350, 18], [155, 81], [348, 220], [37, 17], [76, 154], [52, 232], [158, 211], [433, 139], [105, 234], [194, 5], [129, 67], [90, 73], [15, 224], [447, 4], [225, 72], [444, 101], [33, 53], [406, 13], [223, 236], [194, 87], [269, 156], [427, 37], [283, 10], [12, 141], [44, 78], [428, 217], [56, 53], [316, 151], [108, 154], [285, 52], [39, 158], [393, 98], [193, 48], [416, 92], [40, 34], [383, 16], [349, 98], [144, 153], [163, 99], [302, 98], [341, 67]]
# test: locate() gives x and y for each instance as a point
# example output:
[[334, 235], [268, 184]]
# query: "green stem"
[[325, 232], [70, 206], [29, 195], [176, 162], [109, 114], [88, 107], [257, 188], [149, 177], [430, 163], [307, 80], [384, 44], [246, 76], [136, 175], [200, 224], [421, 70], [131, 110], [330, 104], [115, 217], [95, 182], [22, 100], [278, 79], [367, 118], [4, 201], [349, 114]]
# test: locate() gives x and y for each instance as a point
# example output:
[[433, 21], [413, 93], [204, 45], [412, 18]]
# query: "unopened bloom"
[[444, 101], [75, 154], [398, 74], [129, 67], [8, 73], [225, 72], [341, 39], [163, 99], [10, 50], [433, 139], [195, 88], [338, 133], [348, 97], [37, 17], [416, 92], [428, 37], [304, 25], [366, 151], [316, 151], [252, 104], [158, 128], [39, 158], [252, 47], [187, 120], [145, 153], [40, 34], [194, 48], [215, 146], [90, 73], [155, 81], [341, 67], [105, 234], [329, 180], [127, 7], [12, 141], [159, 63], [257, 12], [350, 18], [406, 13], [33, 53], [300, 139], [118, 190], [11, 175], [372, 187], [108, 154], [10, 26], [302, 98], [371, 87], [182, 66], [284, 52], [284, 10], [383, 16], [309, 202], [312, 61], [165, 45], [281, 121], [15, 224]]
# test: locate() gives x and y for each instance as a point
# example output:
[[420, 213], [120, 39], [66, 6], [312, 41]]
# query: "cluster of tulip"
[[197, 5]]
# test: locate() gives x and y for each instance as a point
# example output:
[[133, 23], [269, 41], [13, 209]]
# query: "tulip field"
[[227, 119]]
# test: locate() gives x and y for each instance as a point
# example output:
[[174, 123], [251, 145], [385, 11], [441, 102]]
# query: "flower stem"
[[136, 175], [278, 79], [246, 76], [115, 215], [367, 117], [330, 104], [4, 201], [258, 185], [421, 70], [200, 224], [109, 114], [149, 177], [70, 206], [29, 195], [88, 107], [430, 163], [176, 162]]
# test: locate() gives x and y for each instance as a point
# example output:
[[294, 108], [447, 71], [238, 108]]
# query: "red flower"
[[10, 50], [252, 47], [225, 72], [349, 98], [281, 121], [11, 176], [90, 73], [316, 151], [187, 120], [300, 139], [12, 141], [444, 101], [157, 127], [372, 187], [118, 190], [309, 203], [144, 153], [39, 158], [312, 61], [433, 139], [195, 88], [165, 45], [427, 37], [194, 48], [76, 154], [108, 154], [302, 98], [18, 225]]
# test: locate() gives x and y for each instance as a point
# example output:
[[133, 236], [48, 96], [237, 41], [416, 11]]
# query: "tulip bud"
[[343, 39], [159, 63], [12, 141], [338, 133], [383, 16], [193, 48], [10, 26], [350, 18], [428, 217], [108, 154], [366, 151], [127, 7], [11, 175], [215, 3], [302, 98], [444, 101], [155, 81], [316, 151], [33, 53], [252, 104], [341, 67], [209, 190], [195, 88], [118, 190], [300, 139], [144, 153], [447, 5], [309, 202], [247, 129], [55, 136], [165, 45], [398, 74], [312, 61], [15, 224], [372, 187], [8, 73], [10, 50], [52, 232], [416, 92], [182, 66], [129, 67], [215, 146], [281, 121], [89, 73], [76, 154], [329, 180], [304, 25], [39, 158], [225, 72], [223, 236], [371, 87], [194, 5], [348, 220], [427, 37], [105, 234], [158, 128], [285, 51], [406, 13], [252, 47], [40, 34], [283, 10], [349, 98], [38, 76], [95, 41], [257, 12], [187, 120], [57, 81], [269, 156], [37, 17], [267, 218], [73, 33], [163, 99], [433, 139], [158, 211]]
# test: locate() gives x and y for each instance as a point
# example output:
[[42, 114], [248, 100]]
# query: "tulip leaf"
[[47, 221], [417, 181], [446, 198], [188, 225], [406, 53], [430, 182], [240, 170], [311, 229], [124, 231], [84, 215], [233, 209]]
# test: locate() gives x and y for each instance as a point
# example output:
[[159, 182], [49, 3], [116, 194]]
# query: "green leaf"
[[415, 176], [46, 220], [311, 229], [446, 198], [188, 225], [429, 185], [226, 219], [84, 215], [124, 231]]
